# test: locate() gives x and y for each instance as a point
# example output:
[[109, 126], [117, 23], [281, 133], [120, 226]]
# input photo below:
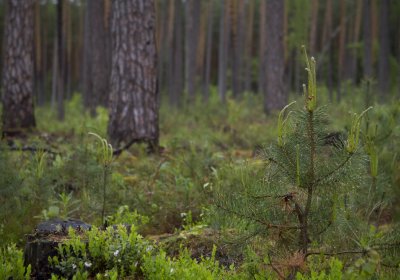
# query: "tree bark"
[[97, 60], [192, 27], [238, 28], [275, 97], [384, 50], [223, 50], [171, 18], [367, 39], [178, 55], [342, 47], [209, 41], [262, 47], [249, 48], [326, 37], [39, 82], [355, 39], [133, 89], [60, 60], [314, 25], [18, 68]]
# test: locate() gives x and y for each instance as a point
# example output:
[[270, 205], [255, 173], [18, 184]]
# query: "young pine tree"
[[306, 202]]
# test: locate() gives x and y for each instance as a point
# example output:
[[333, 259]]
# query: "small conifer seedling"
[[307, 200]]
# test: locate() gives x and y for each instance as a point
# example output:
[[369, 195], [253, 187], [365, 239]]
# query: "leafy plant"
[[127, 217], [12, 264], [63, 207], [160, 266], [98, 252]]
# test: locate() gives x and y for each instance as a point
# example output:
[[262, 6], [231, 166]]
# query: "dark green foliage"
[[311, 194]]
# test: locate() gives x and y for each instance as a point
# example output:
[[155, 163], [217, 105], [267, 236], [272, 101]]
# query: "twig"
[[268, 225], [363, 251], [329, 174], [335, 253], [31, 149]]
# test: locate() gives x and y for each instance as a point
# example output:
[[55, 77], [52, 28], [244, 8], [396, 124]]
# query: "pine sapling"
[[303, 200], [105, 158]]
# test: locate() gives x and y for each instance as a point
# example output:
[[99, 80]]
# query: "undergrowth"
[[204, 147]]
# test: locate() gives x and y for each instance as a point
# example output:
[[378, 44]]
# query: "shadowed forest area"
[[188, 139]]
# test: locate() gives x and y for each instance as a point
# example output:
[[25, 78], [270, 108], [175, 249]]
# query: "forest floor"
[[169, 196]]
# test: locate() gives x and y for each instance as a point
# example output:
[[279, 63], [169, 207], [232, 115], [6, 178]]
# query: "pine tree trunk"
[[201, 43], [326, 37], [355, 40], [161, 21], [178, 55], [314, 25], [170, 49], [342, 47], [68, 48], [384, 50], [207, 69], [39, 82], [275, 97], [99, 64], [192, 26], [60, 61], [133, 89], [249, 47], [18, 67], [367, 39], [237, 43], [54, 77], [262, 47], [223, 51], [87, 58]]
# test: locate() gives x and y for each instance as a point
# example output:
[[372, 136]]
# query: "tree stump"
[[43, 244]]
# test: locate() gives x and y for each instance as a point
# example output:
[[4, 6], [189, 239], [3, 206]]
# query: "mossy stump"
[[43, 244]]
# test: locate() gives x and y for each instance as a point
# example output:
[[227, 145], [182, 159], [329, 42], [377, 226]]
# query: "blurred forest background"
[[220, 43]]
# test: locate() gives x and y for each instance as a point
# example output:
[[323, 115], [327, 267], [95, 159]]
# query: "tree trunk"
[[342, 47], [60, 61], [133, 89], [262, 47], [367, 39], [39, 82], [223, 51], [161, 31], [326, 38], [170, 49], [249, 47], [18, 68], [238, 22], [98, 70], [384, 50], [314, 25], [192, 26], [54, 78], [86, 57], [207, 69], [68, 48], [356, 39], [275, 97], [178, 55]]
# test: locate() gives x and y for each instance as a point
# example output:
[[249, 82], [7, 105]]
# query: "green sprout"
[[310, 93], [105, 150], [354, 135], [282, 122], [105, 157]]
